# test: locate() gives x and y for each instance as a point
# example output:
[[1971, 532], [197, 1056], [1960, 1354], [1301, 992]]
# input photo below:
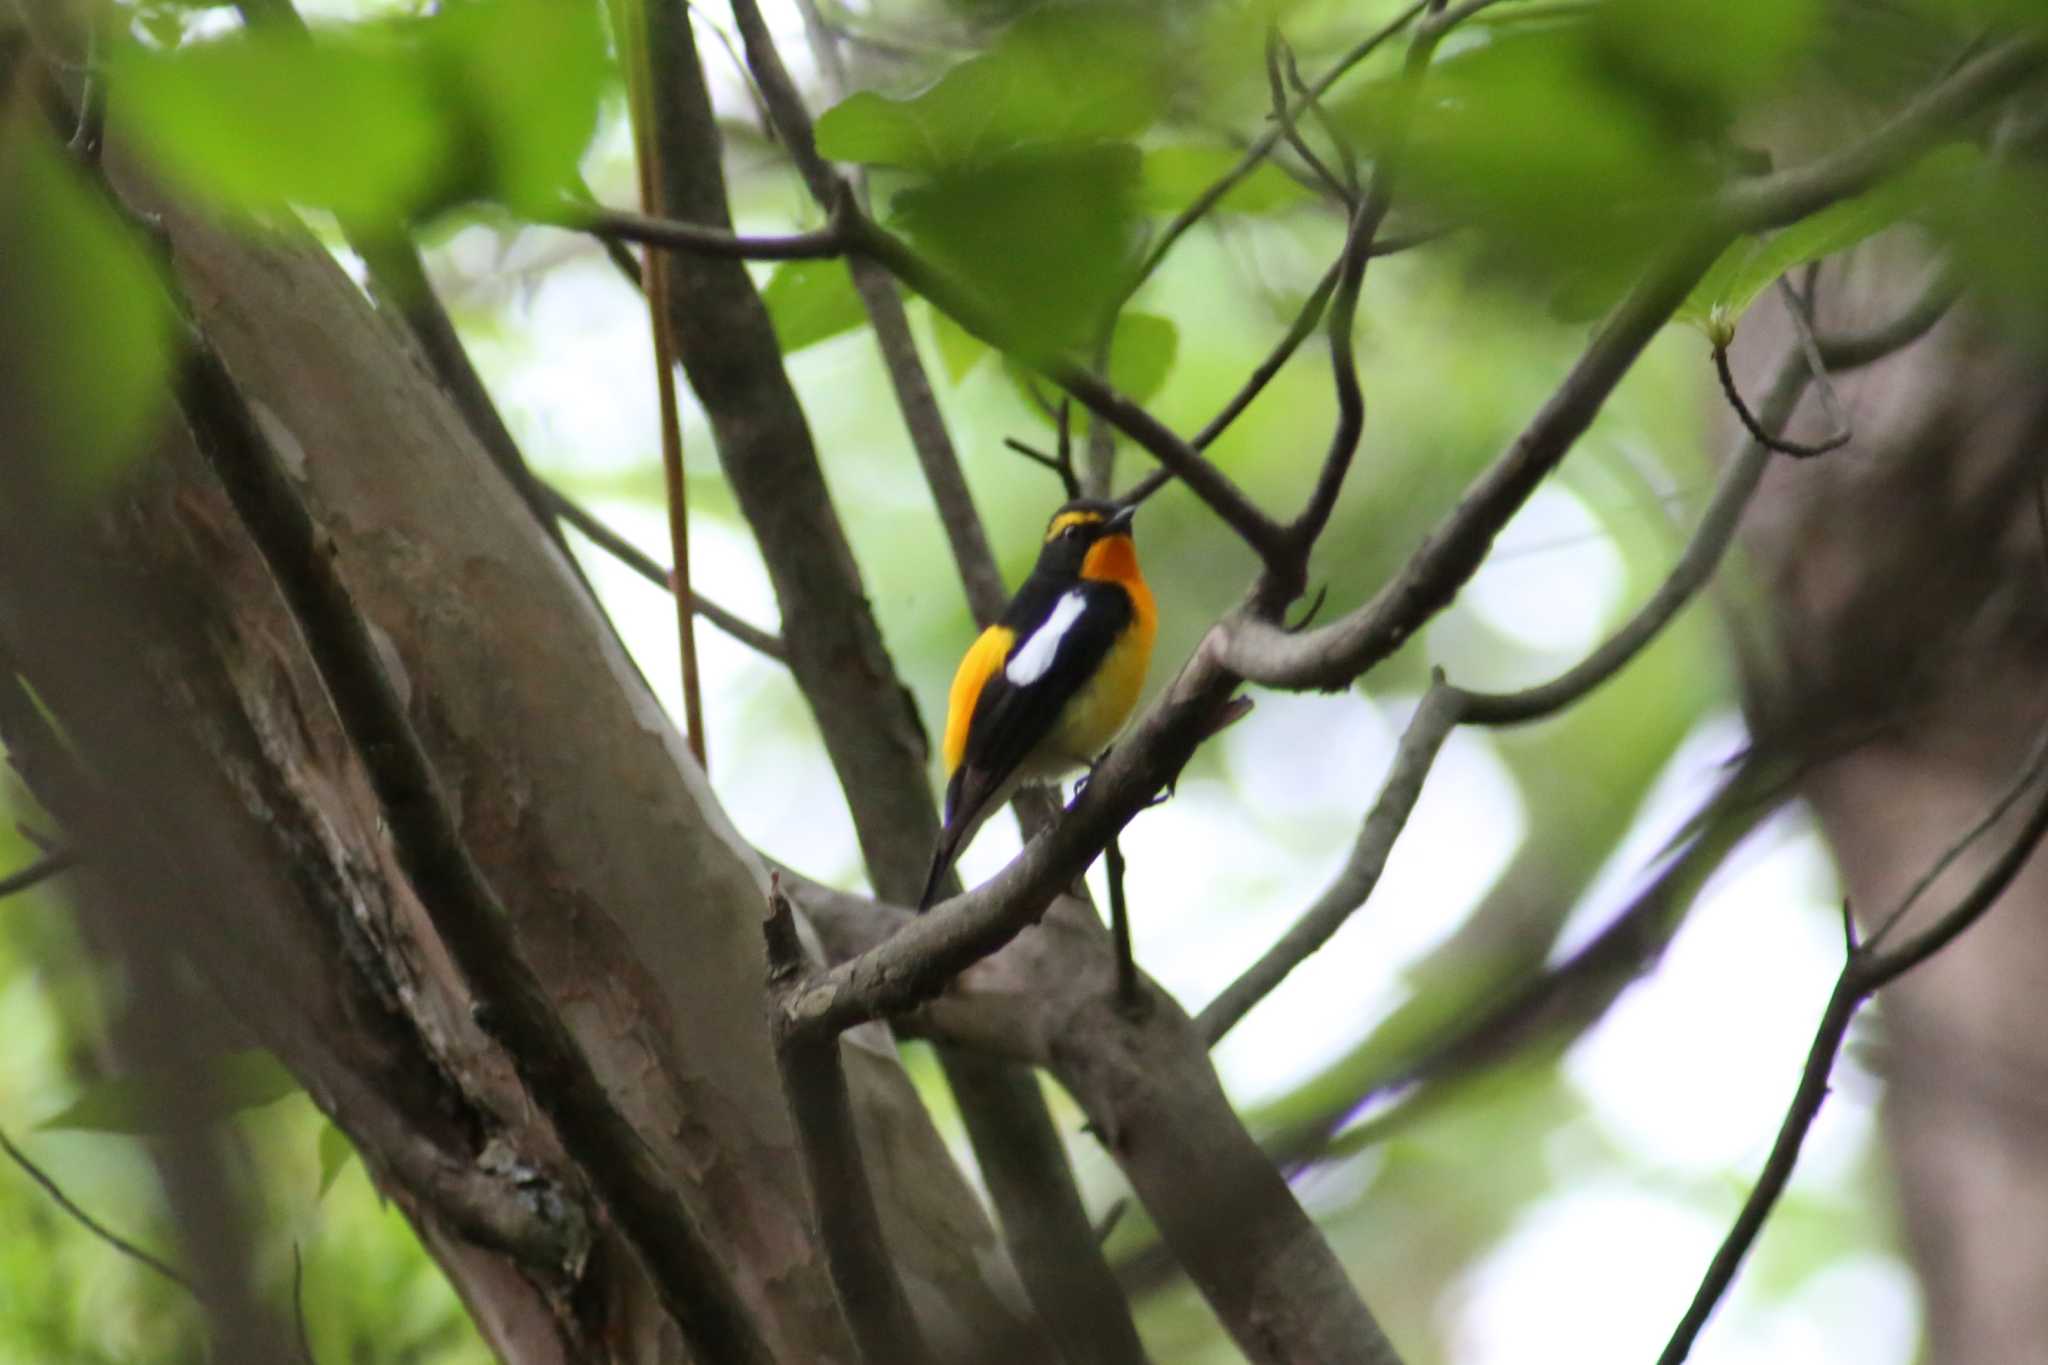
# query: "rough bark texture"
[[634, 899], [1903, 631]]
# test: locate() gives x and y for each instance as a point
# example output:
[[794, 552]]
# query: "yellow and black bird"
[[1046, 688]]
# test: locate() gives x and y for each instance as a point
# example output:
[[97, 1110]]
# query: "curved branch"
[[1439, 714], [1331, 656], [1759, 431]]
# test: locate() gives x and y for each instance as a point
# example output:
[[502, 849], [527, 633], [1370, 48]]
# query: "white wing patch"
[[1035, 655]]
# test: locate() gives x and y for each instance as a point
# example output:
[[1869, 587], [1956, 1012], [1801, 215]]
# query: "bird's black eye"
[[1072, 532]]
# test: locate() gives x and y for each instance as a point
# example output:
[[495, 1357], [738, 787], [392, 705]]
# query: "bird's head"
[[1088, 538]]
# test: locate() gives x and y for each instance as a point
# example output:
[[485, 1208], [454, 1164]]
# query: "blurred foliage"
[[97, 354], [380, 121]]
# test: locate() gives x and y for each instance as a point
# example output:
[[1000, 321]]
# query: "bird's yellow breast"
[[1092, 717]]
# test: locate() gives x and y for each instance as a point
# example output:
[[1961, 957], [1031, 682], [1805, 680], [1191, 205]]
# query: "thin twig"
[[38, 872], [1799, 308], [1283, 117], [647, 230], [647, 164], [633, 557], [1993, 814], [1757, 430], [973, 559], [1716, 530], [88, 1222], [1064, 469], [1434, 719], [1866, 971], [1261, 146]]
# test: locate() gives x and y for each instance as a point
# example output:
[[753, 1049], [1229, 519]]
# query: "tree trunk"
[[238, 812], [1903, 586]]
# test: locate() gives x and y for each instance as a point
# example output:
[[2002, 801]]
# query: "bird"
[[1042, 691]]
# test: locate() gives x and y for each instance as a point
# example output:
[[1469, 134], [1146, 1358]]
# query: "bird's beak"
[[1119, 523]]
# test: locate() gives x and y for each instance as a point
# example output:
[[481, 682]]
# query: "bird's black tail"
[[942, 859]]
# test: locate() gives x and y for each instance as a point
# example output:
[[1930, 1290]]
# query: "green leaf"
[[335, 1153], [139, 1104], [1043, 236], [811, 301], [959, 349], [1171, 178], [1749, 266], [495, 99], [1141, 354], [519, 81], [85, 326], [342, 126], [1057, 76]]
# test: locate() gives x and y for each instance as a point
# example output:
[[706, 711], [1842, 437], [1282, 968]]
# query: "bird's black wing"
[[1065, 646]]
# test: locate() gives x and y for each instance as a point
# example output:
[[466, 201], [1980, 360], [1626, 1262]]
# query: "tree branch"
[[619, 225], [1867, 970], [36, 873], [1043, 1221], [1775, 200], [1434, 719], [849, 1228], [631, 555], [88, 1222], [1331, 656], [1716, 530]]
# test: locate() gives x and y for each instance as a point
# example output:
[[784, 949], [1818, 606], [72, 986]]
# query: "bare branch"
[[629, 554], [36, 873], [1866, 971], [1716, 530], [1437, 715], [1702, 555], [647, 152], [87, 1221], [870, 1294], [619, 225], [1283, 117], [1331, 656], [1127, 992]]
